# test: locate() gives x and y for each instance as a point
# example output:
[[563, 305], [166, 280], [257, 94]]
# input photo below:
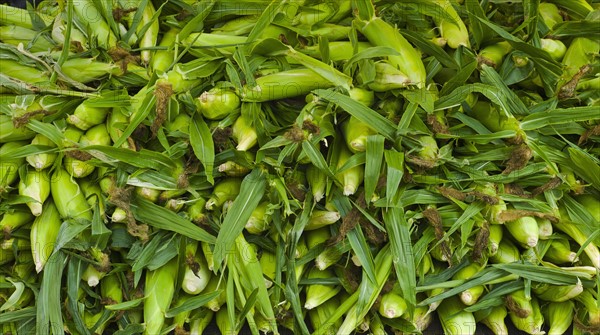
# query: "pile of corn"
[[329, 167]]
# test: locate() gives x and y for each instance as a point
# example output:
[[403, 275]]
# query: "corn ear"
[[44, 232], [559, 252], [559, 316], [495, 320], [92, 276], [356, 133], [556, 293], [545, 228], [525, 230], [392, 305], [68, 198], [494, 54], [454, 319], [284, 84], [259, 220], [381, 33], [14, 219], [244, 133], [531, 324], [223, 322], [110, 288], [507, 253], [162, 59], [45, 160], [84, 117], [350, 178], [196, 275], [200, 323], [9, 168], [225, 190], [217, 103], [159, 290], [496, 233], [591, 305], [36, 185], [317, 294], [550, 14], [453, 31], [317, 180], [320, 218]]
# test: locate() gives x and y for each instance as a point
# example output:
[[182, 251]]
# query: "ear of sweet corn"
[[9, 168], [213, 285], [317, 294], [559, 316], [259, 220], [217, 103], [317, 180], [549, 14], [110, 288], [559, 252], [321, 218], [45, 160], [381, 33], [356, 133], [524, 230], [589, 303], [92, 276], [225, 190], [532, 323], [545, 229], [68, 198], [495, 320], [471, 295], [453, 31], [319, 316], [496, 233], [392, 305], [14, 219], [162, 59], [350, 178], [36, 185], [196, 275], [455, 320], [148, 39], [159, 290], [200, 321], [223, 322], [328, 257], [284, 84], [244, 133], [507, 253], [44, 232], [85, 116], [100, 30], [23, 73], [494, 54], [85, 70], [557, 293]]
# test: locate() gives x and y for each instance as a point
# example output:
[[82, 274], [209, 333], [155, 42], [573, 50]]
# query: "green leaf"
[[585, 165], [126, 305], [203, 146], [560, 116], [49, 304], [162, 218], [73, 281], [395, 172], [192, 303], [373, 162], [361, 250], [542, 274], [251, 192], [401, 246]]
